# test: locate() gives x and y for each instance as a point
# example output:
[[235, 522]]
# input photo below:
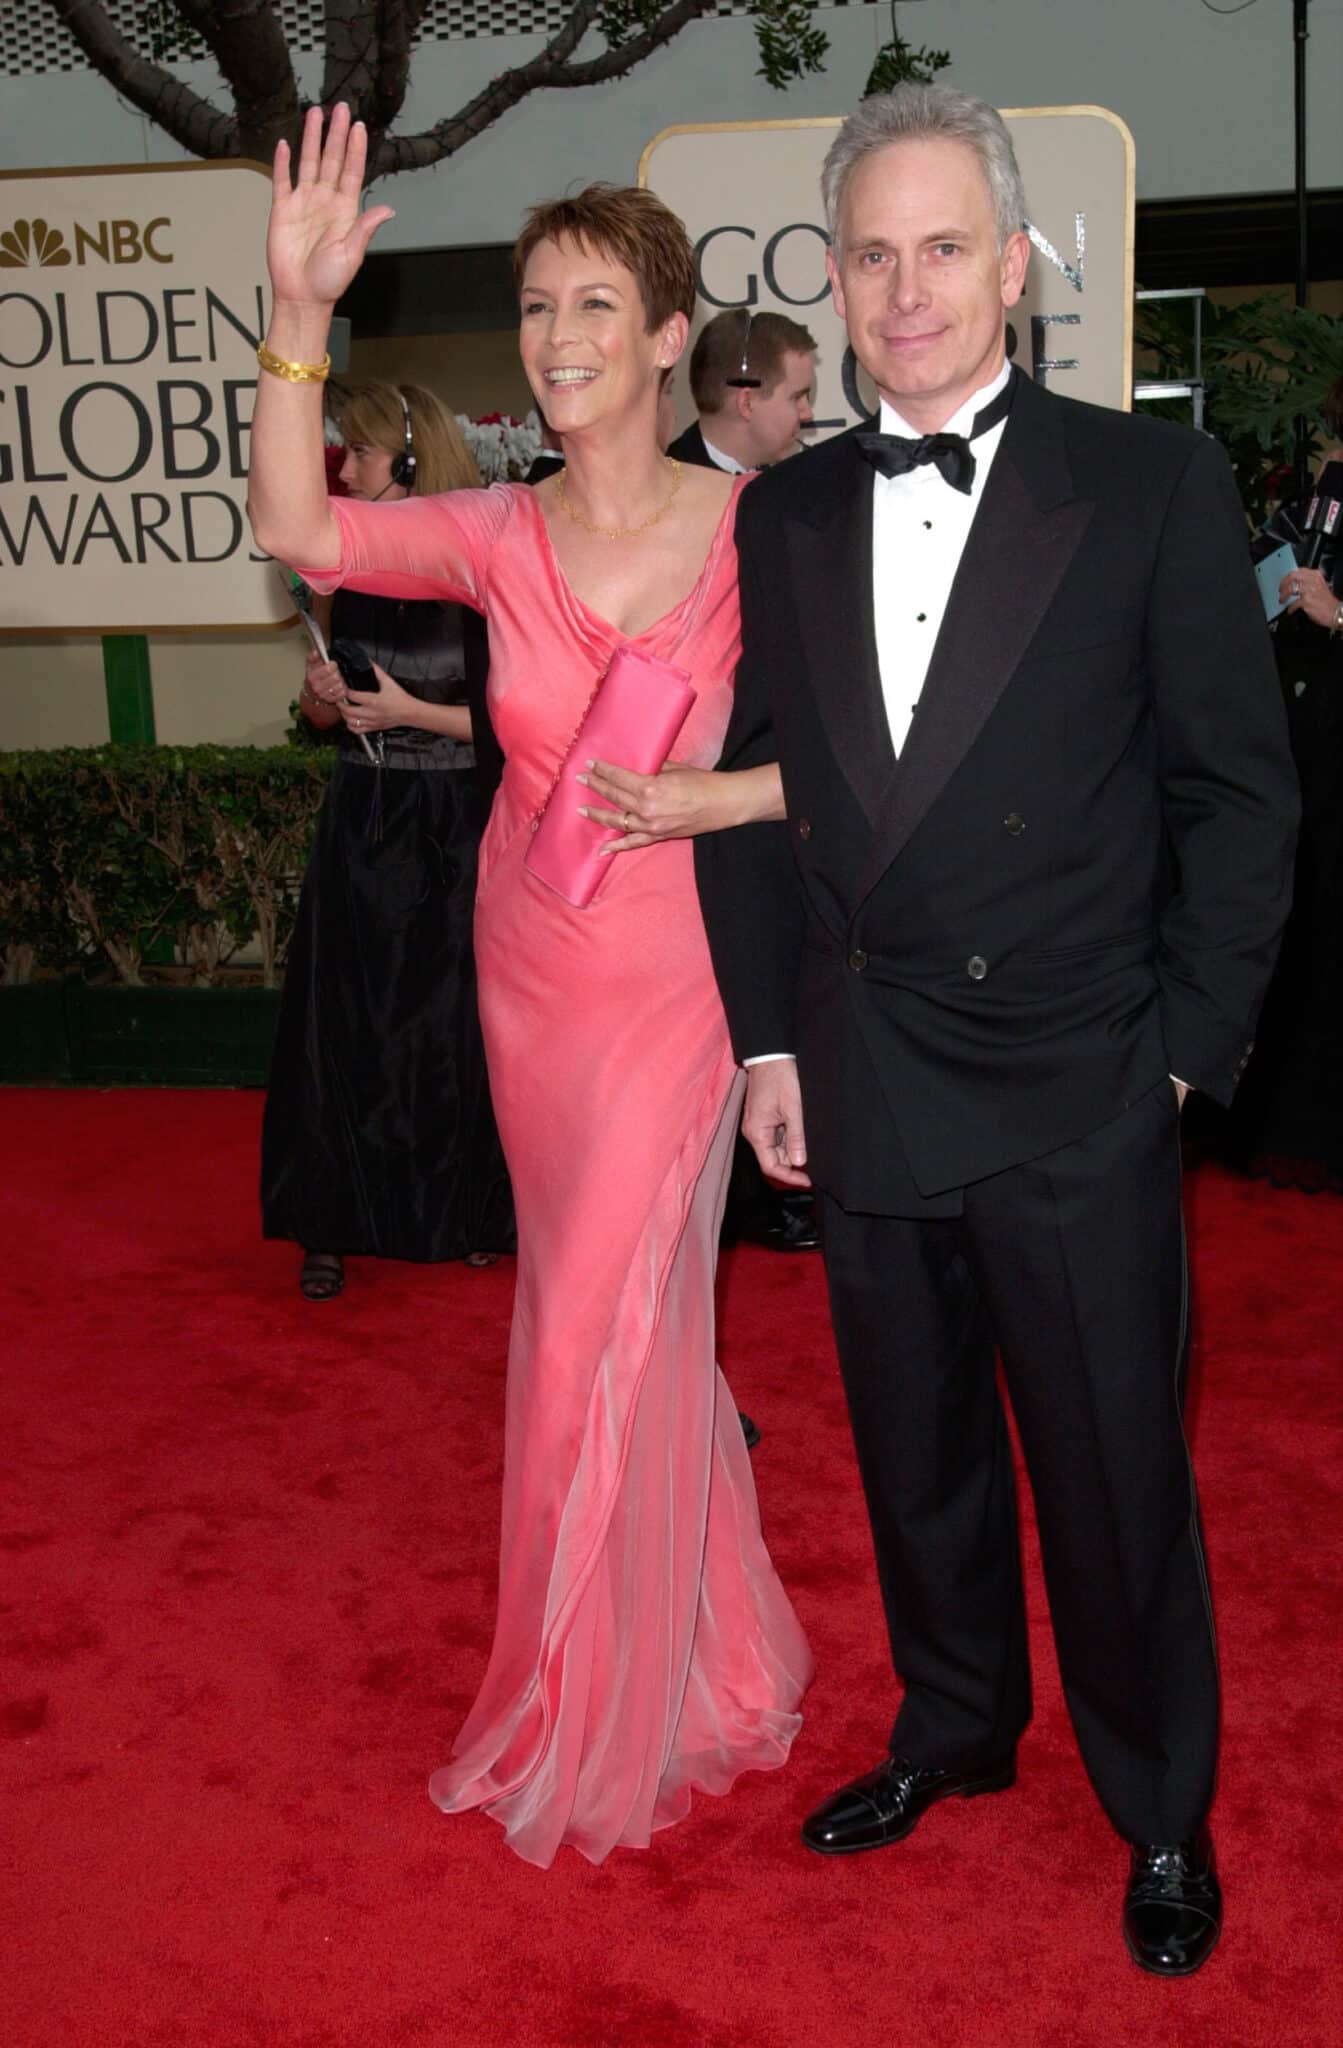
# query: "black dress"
[[378, 1133]]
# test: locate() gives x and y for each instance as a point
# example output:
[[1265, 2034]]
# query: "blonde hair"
[[371, 416]]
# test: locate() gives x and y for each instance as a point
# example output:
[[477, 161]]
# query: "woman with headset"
[[379, 1135]]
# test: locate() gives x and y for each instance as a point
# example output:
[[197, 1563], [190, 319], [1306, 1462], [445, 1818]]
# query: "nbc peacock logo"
[[32, 241]]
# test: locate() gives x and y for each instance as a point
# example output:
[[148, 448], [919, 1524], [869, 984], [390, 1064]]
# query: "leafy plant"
[[790, 43], [897, 63], [1266, 364], [110, 851], [35, 927], [301, 732]]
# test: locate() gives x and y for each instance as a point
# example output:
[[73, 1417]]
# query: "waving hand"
[[318, 236]]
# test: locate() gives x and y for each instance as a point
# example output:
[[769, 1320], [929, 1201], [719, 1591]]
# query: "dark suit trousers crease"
[[1075, 1265]]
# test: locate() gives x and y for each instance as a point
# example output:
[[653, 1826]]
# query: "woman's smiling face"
[[584, 336]]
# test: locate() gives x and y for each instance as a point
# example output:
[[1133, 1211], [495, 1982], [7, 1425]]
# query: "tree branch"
[[399, 19], [549, 68], [350, 33], [190, 120], [198, 16], [248, 44]]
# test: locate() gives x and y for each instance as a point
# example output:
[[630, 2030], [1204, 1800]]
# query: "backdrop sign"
[[750, 196], [131, 303]]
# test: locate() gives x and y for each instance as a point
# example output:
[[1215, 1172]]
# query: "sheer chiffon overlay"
[[643, 1643]]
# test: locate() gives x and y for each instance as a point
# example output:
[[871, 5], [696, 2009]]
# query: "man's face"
[[918, 277], [778, 416]]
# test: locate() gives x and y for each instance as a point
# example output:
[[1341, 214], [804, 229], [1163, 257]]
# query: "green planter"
[[32, 1033], [183, 1037]]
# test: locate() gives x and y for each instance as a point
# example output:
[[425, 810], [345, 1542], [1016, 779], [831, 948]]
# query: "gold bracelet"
[[293, 373]]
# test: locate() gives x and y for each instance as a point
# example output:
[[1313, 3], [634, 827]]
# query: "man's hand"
[[772, 1122]]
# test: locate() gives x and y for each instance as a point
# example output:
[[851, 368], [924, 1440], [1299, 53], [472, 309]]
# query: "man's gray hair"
[[920, 113]]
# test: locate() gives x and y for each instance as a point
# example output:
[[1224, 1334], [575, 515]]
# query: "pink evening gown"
[[643, 1643]]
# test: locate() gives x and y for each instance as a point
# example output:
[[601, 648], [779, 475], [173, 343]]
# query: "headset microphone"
[[403, 465], [744, 381]]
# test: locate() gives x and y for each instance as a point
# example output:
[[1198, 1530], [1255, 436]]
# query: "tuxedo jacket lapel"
[[829, 548], [1028, 527]]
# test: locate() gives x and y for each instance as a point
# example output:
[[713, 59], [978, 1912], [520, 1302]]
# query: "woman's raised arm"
[[315, 244]]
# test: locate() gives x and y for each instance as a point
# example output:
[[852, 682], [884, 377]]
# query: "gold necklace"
[[618, 532]]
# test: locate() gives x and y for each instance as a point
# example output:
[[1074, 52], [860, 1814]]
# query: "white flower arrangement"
[[504, 447]]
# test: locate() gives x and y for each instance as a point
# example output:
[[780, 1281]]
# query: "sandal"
[[322, 1276], [482, 1258]]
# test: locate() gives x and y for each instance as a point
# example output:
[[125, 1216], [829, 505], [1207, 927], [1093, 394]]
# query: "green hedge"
[[126, 854]]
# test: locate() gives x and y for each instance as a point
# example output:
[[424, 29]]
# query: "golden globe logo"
[[33, 242]]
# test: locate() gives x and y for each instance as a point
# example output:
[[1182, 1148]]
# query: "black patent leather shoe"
[[750, 1430], [793, 1226], [885, 1805], [1173, 1906]]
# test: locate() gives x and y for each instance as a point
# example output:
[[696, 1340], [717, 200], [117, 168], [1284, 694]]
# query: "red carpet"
[[248, 1552]]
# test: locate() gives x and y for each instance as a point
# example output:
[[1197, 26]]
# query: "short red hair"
[[631, 225]]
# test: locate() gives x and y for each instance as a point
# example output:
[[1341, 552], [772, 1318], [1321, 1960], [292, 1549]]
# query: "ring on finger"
[[626, 824]]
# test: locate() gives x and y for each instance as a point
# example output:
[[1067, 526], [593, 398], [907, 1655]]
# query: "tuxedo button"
[[858, 961], [976, 967], [1014, 823], [803, 828]]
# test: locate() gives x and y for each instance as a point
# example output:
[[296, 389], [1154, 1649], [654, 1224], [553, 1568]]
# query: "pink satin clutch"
[[635, 713]]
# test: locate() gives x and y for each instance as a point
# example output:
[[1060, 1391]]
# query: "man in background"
[[753, 378]]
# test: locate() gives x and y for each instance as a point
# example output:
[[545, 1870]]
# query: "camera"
[[355, 667]]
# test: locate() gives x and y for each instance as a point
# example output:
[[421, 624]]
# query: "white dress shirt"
[[720, 458], [919, 528]]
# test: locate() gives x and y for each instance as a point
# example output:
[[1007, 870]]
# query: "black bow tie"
[[893, 455]]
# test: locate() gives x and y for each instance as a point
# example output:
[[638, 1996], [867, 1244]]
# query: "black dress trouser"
[[1074, 1266]]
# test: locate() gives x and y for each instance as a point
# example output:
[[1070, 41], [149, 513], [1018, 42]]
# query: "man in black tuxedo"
[[1010, 658], [753, 379]]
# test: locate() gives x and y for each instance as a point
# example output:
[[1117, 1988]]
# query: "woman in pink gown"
[[643, 1645]]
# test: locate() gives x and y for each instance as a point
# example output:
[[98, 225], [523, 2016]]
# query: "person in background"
[[378, 1135], [1314, 593], [665, 427], [753, 376], [753, 379], [1286, 1123]]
